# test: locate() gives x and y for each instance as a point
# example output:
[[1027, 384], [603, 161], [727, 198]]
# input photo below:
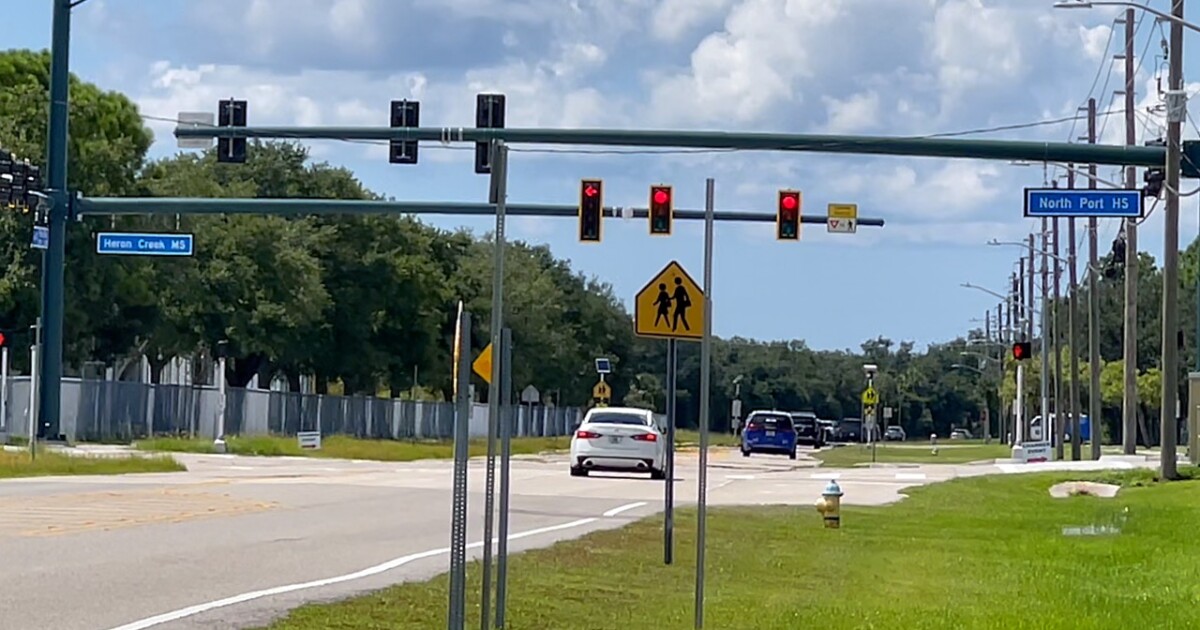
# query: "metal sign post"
[[705, 384], [458, 520], [669, 488], [507, 412], [499, 179]]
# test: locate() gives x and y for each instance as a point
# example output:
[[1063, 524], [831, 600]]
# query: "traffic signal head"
[[231, 113], [787, 216], [1022, 350], [591, 210], [662, 209]]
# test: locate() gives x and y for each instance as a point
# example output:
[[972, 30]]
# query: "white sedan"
[[618, 439]]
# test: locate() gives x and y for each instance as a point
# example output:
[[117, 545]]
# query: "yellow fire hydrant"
[[830, 505]]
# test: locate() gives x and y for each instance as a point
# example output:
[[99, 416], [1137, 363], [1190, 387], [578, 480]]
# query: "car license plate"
[[770, 434], [614, 439]]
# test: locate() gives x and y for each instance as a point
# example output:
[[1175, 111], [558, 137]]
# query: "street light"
[[1176, 100], [1045, 402], [1084, 4]]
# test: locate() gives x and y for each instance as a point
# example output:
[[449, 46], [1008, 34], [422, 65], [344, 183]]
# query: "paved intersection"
[[268, 534]]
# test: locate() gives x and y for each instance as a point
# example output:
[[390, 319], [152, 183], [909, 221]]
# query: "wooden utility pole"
[[1129, 406], [1060, 428], [1094, 360], [1072, 336]]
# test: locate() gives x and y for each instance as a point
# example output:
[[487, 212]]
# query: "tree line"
[[366, 304]]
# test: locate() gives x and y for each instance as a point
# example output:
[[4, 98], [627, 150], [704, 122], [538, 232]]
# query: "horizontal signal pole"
[[85, 206], [1128, 155]]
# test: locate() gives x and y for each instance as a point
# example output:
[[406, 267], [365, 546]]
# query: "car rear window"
[[771, 423], [618, 418]]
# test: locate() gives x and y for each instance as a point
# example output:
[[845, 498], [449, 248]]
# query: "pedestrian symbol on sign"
[[682, 303]]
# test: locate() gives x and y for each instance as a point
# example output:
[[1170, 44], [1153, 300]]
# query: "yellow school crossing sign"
[[870, 397], [602, 391], [670, 306]]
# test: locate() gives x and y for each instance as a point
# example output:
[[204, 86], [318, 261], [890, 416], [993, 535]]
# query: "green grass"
[[342, 447], [20, 464], [984, 552], [854, 454], [688, 438]]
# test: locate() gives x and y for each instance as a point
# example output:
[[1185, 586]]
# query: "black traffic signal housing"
[[404, 114], [18, 196], [591, 210], [231, 113], [787, 216], [489, 114], [662, 209], [1022, 350], [1154, 178]]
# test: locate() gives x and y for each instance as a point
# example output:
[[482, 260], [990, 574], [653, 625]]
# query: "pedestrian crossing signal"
[[787, 216], [662, 209], [591, 210], [1022, 350]]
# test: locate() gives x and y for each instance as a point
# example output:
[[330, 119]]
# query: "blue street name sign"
[[41, 237], [144, 244], [1066, 202]]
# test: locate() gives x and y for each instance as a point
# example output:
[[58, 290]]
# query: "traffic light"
[[489, 114], [231, 113], [591, 209], [1022, 350], [662, 209], [404, 114], [18, 196], [1153, 178], [787, 217]]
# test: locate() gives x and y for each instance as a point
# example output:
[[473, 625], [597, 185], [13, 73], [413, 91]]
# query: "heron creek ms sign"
[[1067, 202], [144, 244]]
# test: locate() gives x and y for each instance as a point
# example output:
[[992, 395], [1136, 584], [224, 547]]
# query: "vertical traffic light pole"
[[49, 400], [499, 177], [705, 386]]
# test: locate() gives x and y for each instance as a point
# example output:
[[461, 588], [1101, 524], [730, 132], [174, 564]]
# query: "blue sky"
[[885, 67]]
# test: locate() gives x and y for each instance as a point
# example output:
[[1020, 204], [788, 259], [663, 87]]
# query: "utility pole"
[[1060, 431], [1094, 359], [1030, 306], [1130, 399], [1176, 110], [1045, 380], [1072, 336]]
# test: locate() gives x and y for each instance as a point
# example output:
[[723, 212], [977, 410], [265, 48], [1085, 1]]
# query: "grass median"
[[343, 447], [47, 463], [892, 453], [954, 556]]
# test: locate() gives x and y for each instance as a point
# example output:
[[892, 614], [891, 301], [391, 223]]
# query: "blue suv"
[[769, 432]]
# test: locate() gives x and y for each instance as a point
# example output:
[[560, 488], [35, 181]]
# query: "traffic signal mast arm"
[[86, 206], [1129, 155]]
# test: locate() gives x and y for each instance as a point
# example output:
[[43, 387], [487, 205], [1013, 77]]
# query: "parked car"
[[808, 429], [828, 430], [618, 439], [894, 433], [960, 434], [769, 432]]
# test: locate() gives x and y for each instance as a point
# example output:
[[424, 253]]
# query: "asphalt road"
[[237, 541]]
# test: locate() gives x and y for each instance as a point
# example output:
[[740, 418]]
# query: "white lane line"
[[182, 613], [741, 477], [910, 476], [829, 476]]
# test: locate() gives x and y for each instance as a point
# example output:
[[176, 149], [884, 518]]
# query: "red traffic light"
[[1021, 350], [661, 196], [789, 202], [590, 191], [3, 339]]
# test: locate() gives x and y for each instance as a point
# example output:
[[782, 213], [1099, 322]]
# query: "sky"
[[871, 67]]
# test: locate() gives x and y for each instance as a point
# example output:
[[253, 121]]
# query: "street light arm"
[[1083, 4], [1030, 309]]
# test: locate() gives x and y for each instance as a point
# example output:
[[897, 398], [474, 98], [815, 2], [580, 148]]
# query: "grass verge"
[[854, 454], [951, 556], [20, 464], [343, 447]]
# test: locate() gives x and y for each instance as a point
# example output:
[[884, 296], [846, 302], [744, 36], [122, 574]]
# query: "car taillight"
[[646, 437], [586, 435], [754, 427]]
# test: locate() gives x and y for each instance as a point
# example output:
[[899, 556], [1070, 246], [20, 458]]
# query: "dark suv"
[[808, 429]]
